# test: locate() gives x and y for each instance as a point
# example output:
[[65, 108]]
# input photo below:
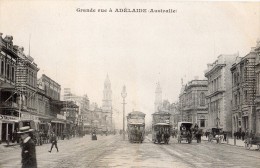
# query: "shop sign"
[[5, 117], [61, 117], [29, 117]]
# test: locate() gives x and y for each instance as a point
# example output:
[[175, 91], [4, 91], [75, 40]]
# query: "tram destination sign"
[[5, 117], [161, 119]]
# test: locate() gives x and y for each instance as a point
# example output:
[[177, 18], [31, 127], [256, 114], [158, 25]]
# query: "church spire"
[[107, 95], [158, 98]]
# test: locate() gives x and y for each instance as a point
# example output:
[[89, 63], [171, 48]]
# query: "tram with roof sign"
[[161, 127], [136, 126]]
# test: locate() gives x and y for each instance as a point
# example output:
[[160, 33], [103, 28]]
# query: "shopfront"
[[59, 124], [8, 125], [30, 117]]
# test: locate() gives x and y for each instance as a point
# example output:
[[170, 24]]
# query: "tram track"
[[173, 154]]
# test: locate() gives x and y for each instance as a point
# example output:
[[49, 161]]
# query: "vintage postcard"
[[129, 83]]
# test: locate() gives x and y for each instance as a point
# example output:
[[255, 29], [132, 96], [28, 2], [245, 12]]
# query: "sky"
[[78, 49]]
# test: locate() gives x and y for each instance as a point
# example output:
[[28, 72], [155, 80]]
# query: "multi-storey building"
[[257, 100], [63, 115], [219, 94], [8, 97], [85, 111], [26, 85], [51, 88], [193, 105], [175, 114], [243, 92], [73, 114]]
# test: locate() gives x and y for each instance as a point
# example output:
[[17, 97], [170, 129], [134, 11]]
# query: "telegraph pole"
[[124, 94]]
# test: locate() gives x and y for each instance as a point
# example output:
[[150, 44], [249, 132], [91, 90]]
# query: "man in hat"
[[28, 148], [53, 142]]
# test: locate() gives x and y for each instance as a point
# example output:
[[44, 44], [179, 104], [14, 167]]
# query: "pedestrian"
[[28, 148], [239, 135], [235, 135], [53, 142], [159, 137], [206, 134], [243, 135], [225, 136], [246, 134]]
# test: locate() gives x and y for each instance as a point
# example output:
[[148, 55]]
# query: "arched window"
[[12, 77]]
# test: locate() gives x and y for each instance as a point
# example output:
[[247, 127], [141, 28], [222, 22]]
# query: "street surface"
[[112, 151]]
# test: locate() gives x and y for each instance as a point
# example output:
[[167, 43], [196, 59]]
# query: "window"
[[202, 123], [245, 100], [202, 99], [235, 100], [8, 71], [12, 77], [2, 67]]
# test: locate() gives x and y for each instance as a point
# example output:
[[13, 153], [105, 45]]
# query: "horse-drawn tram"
[[136, 126], [161, 127]]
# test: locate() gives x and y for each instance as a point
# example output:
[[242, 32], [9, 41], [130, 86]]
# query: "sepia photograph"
[[129, 84]]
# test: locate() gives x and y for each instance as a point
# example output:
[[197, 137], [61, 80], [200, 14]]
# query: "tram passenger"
[[159, 136], [166, 137], [183, 128]]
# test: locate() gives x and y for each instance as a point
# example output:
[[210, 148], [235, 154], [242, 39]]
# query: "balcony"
[[9, 105]]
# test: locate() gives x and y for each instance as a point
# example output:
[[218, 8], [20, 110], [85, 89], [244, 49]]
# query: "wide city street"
[[112, 151]]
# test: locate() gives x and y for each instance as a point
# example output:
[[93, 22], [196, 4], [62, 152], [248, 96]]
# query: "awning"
[[64, 104], [58, 121], [6, 87], [136, 123], [161, 124]]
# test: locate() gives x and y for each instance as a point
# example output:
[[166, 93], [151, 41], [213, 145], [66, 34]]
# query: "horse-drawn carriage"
[[215, 134], [136, 126], [254, 140], [196, 133], [184, 132]]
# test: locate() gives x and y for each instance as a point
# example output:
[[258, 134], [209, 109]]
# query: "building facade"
[[193, 105], [8, 98], [219, 93], [26, 87], [257, 100], [243, 92]]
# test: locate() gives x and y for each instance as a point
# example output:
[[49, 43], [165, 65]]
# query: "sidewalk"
[[12, 146], [230, 141], [5, 148]]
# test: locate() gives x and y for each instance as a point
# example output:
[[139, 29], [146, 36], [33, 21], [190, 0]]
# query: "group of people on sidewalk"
[[28, 154]]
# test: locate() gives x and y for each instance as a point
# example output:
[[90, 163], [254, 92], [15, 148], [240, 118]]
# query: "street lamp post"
[[124, 94], [217, 119]]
